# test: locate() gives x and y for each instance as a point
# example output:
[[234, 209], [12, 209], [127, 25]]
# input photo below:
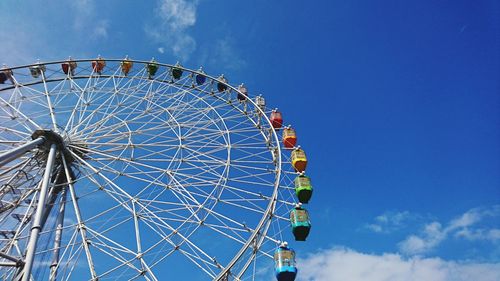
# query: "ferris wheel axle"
[[18, 151]]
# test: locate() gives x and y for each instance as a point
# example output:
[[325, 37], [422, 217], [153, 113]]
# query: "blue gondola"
[[300, 222], [284, 258], [200, 78]]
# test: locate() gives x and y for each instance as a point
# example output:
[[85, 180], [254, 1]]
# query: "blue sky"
[[396, 104]]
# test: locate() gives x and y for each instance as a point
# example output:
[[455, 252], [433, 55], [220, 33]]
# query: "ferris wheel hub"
[[61, 143], [50, 137]]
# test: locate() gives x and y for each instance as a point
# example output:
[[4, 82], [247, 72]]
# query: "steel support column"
[[36, 227]]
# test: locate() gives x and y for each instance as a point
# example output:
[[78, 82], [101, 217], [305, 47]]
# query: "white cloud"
[[222, 54], [479, 234], [88, 19], [174, 17], [17, 47], [225, 54], [462, 227], [83, 10], [54, 33], [178, 14], [348, 265], [101, 29], [161, 50], [23, 42], [390, 221], [431, 236]]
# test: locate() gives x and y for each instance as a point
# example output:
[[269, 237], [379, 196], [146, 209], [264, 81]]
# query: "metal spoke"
[[151, 166]]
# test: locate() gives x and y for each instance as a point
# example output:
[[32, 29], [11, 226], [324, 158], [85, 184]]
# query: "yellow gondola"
[[299, 160]]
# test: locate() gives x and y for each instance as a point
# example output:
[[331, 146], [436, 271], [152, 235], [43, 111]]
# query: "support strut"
[[58, 235], [81, 225], [18, 151], [36, 227]]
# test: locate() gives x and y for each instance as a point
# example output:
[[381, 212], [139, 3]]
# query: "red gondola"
[[276, 119], [68, 67]]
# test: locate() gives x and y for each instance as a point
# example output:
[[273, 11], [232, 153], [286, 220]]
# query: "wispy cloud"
[[464, 226], [19, 47], [84, 9], [391, 221], [349, 265], [54, 33], [479, 234], [431, 236], [101, 29], [225, 53], [86, 19], [222, 54], [173, 19]]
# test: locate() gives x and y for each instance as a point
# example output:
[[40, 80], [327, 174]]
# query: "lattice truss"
[[155, 177]]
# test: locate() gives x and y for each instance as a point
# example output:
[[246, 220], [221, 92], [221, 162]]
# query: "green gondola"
[[177, 71], [152, 68], [303, 188]]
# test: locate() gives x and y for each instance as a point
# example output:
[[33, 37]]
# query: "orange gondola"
[[289, 137], [126, 66], [98, 65]]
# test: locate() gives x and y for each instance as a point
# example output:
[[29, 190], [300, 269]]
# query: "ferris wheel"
[[121, 169]]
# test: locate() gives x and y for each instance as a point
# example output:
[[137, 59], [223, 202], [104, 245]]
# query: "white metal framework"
[[107, 176]]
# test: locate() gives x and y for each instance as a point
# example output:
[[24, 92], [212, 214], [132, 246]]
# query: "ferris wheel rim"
[[272, 201]]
